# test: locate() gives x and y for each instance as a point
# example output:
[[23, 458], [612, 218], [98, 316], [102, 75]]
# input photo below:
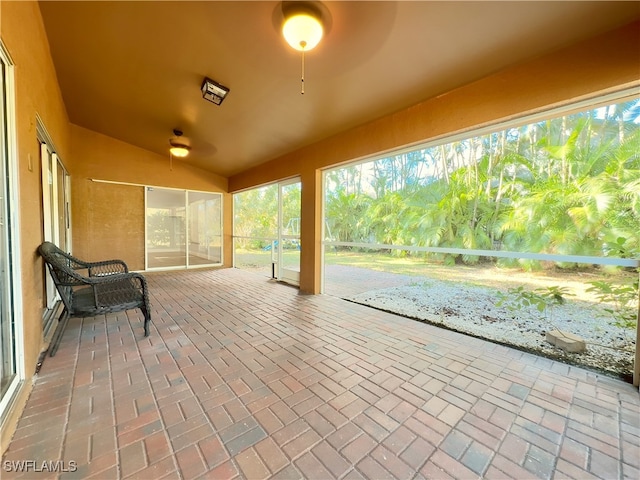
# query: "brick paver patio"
[[245, 378]]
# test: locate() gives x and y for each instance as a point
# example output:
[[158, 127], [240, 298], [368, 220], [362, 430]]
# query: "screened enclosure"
[[183, 228], [542, 217]]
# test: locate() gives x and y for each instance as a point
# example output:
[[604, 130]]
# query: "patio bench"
[[88, 289]]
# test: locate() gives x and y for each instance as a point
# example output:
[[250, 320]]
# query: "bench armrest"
[[118, 288]]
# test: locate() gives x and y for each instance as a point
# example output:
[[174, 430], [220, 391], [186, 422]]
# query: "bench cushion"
[[109, 297]]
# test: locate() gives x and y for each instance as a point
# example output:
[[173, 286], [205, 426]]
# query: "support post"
[[311, 232]]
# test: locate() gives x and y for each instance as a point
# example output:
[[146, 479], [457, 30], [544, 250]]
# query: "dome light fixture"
[[179, 145], [302, 28]]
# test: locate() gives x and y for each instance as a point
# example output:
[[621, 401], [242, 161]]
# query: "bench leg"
[[147, 319]]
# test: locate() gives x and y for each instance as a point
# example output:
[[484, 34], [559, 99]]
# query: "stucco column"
[[311, 231], [227, 229]]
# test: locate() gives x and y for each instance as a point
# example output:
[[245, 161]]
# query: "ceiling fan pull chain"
[[302, 77]]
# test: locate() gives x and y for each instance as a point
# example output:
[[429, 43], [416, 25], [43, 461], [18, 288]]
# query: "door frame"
[[187, 218], [50, 163], [286, 275], [13, 236]]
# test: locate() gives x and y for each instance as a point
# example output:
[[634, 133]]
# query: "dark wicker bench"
[[93, 288]]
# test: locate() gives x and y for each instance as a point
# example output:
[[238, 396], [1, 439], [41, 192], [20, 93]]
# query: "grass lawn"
[[485, 274]]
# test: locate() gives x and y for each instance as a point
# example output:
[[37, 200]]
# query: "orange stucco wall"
[[594, 67], [98, 157], [37, 93]]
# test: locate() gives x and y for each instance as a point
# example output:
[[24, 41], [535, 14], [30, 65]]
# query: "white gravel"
[[472, 309]]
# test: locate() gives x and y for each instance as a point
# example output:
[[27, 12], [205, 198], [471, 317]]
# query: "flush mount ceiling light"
[[302, 28], [179, 145], [213, 91]]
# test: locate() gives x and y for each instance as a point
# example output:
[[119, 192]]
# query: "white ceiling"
[[133, 70]]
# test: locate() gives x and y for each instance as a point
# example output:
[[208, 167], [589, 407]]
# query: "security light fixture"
[[213, 91]]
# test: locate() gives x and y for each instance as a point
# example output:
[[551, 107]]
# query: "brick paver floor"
[[245, 378]]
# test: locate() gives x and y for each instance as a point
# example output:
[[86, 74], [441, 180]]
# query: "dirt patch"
[[474, 310]]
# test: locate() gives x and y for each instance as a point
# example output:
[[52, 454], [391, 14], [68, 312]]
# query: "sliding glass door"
[[184, 228], [11, 366], [166, 230], [205, 228], [55, 205], [267, 230], [289, 202]]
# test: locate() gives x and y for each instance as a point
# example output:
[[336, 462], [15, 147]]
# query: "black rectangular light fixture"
[[213, 91]]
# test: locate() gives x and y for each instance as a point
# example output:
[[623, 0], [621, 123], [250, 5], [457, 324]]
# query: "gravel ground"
[[472, 310]]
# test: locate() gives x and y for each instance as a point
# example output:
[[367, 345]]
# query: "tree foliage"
[[568, 185]]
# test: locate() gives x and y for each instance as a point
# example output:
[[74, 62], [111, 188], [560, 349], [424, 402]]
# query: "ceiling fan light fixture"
[[179, 145], [303, 30], [213, 91], [179, 151]]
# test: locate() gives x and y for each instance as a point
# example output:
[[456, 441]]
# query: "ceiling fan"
[[180, 146]]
